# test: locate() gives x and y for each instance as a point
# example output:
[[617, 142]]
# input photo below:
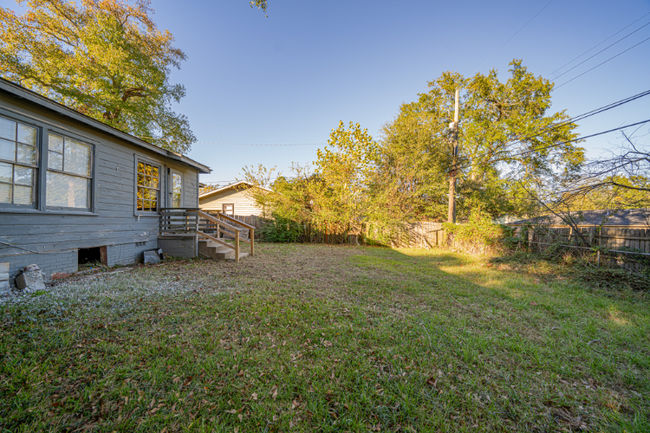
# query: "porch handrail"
[[235, 220], [193, 220], [219, 220], [209, 217]]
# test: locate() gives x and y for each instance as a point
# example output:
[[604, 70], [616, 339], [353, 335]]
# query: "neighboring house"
[[73, 189], [619, 218], [231, 200]]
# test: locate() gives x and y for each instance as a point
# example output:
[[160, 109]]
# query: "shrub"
[[281, 229], [479, 234]]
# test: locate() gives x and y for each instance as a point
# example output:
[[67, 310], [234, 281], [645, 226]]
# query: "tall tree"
[[336, 196], [345, 169], [104, 58], [507, 141]]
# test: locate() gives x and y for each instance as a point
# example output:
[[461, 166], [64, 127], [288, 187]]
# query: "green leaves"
[[106, 59], [506, 137]]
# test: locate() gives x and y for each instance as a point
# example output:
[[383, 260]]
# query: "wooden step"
[[217, 251]]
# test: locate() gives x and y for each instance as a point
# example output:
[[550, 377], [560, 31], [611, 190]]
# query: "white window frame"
[[90, 178]]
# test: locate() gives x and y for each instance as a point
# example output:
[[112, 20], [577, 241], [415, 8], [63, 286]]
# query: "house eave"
[[42, 101]]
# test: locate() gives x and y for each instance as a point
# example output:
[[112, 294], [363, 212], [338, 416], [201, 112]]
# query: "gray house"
[[73, 189]]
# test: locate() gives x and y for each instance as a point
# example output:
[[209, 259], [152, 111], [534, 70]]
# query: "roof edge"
[[232, 185], [49, 104]]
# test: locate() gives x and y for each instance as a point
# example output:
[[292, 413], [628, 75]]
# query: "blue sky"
[[290, 78]]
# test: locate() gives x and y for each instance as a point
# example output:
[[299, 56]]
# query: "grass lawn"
[[327, 339]]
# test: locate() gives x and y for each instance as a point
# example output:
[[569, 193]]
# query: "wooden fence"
[[423, 234], [619, 246]]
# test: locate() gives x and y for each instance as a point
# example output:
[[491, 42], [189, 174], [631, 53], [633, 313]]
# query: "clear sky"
[[290, 77]]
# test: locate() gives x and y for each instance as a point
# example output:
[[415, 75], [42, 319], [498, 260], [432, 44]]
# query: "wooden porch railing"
[[193, 220]]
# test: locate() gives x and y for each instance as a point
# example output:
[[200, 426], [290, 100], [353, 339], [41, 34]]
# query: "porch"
[[190, 232]]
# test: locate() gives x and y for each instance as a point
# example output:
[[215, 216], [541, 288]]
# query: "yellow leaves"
[[91, 55]]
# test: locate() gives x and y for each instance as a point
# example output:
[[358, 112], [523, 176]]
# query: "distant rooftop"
[[624, 217]]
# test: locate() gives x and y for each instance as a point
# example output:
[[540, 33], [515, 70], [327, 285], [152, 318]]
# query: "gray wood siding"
[[115, 221]]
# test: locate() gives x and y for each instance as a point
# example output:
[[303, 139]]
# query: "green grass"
[[327, 339]]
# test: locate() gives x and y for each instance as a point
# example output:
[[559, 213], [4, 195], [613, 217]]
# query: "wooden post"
[[237, 246], [451, 215], [251, 235]]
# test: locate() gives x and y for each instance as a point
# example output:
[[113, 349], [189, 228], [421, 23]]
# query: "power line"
[[604, 49], [602, 63], [600, 43], [575, 139], [573, 119], [513, 36], [584, 116], [143, 137]]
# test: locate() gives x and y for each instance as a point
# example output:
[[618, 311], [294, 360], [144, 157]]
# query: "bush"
[[281, 229], [479, 234]]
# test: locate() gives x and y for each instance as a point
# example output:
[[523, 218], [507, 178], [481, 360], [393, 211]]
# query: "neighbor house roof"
[[232, 185], [622, 217], [22, 93]]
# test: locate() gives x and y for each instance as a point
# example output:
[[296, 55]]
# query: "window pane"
[[5, 193], [55, 143], [55, 161], [140, 167], [154, 171], [7, 149], [67, 191], [176, 183], [147, 169], [139, 204], [27, 134], [5, 172], [77, 158], [177, 200], [26, 154], [23, 176], [23, 195], [154, 182], [7, 129], [140, 179]]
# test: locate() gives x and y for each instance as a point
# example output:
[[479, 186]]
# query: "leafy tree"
[[508, 143], [261, 4], [336, 196], [208, 188], [104, 58], [345, 171]]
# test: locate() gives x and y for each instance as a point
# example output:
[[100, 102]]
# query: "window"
[[18, 163], [177, 189], [68, 183], [148, 187], [228, 209]]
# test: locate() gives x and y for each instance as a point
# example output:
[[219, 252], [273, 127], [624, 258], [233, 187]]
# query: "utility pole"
[[451, 216]]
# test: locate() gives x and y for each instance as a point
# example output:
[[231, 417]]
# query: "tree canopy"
[[509, 147], [104, 58], [507, 141]]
